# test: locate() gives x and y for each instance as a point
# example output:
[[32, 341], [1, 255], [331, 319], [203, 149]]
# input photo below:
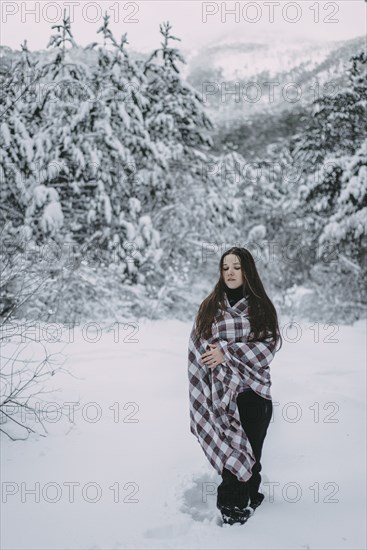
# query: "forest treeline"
[[113, 197]]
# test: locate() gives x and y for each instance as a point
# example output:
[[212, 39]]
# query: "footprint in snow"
[[198, 498]]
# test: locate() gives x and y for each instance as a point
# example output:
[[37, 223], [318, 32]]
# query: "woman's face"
[[232, 273]]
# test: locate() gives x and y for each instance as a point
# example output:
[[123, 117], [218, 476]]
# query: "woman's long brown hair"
[[262, 314]]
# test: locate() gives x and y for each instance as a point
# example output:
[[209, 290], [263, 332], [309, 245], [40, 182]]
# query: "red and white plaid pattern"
[[214, 417]]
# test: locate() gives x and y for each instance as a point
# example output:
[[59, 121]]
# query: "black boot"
[[256, 500], [231, 515]]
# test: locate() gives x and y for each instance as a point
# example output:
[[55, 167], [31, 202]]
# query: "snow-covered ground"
[[141, 478]]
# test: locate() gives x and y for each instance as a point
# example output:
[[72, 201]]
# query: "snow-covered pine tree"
[[341, 123], [332, 195], [337, 123], [129, 151], [17, 130], [175, 115], [179, 126], [19, 175], [95, 137], [348, 224]]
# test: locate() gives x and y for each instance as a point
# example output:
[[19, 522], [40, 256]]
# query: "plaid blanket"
[[214, 416]]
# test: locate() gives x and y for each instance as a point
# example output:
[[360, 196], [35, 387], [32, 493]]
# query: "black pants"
[[255, 415]]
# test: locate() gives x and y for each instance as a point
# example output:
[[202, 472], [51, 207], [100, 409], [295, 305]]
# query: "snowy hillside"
[[308, 64], [243, 60]]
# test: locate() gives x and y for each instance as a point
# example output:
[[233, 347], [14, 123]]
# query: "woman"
[[231, 345]]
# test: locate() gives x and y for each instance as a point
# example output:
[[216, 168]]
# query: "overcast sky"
[[195, 22]]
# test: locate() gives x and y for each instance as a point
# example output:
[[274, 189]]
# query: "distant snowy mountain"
[[243, 60], [289, 64]]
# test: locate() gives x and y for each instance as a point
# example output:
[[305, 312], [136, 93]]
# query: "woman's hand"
[[213, 358]]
